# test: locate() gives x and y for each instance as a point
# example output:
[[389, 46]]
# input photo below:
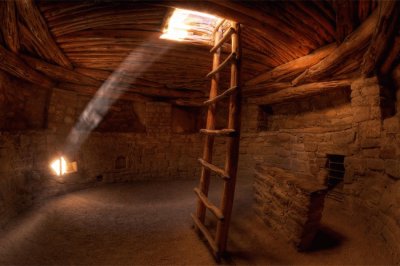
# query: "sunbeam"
[[98, 107]]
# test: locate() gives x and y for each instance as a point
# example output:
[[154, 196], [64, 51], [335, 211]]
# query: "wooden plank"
[[305, 90], [351, 45], [384, 31], [34, 20], [9, 26], [215, 169], [12, 64], [214, 209], [293, 67]]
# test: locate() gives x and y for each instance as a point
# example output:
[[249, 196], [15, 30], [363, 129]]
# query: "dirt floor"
[[149, 223]]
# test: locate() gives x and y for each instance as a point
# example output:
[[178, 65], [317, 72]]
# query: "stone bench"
[[290, 205]]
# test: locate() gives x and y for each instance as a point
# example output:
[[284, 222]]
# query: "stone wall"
[[300, 134], [142, 146], [290, 206], [300, 137]]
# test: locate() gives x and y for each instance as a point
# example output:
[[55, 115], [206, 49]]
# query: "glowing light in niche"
[[183, 21], [59, 166]]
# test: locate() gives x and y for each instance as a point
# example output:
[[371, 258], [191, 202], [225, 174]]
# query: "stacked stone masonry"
[[297, 137], [290, 206]]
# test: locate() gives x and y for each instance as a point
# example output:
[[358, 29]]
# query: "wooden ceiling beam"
[[9, 27], [293, 67], [265, 19], [275, 36], [34, 20], [91, 91], [393, 56], [305, 90], [382, 36], [353, 44], [117, 87], [59, 73], [345, 18], [13, 65]]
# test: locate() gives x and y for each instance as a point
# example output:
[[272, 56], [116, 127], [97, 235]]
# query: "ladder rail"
[[223, 40], [209, 139], [232, 152], [229, 172]]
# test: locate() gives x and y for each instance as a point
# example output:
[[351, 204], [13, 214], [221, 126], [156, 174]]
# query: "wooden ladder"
[[232, 132]]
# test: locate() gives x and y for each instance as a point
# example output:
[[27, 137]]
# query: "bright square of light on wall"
[[60, 166], [188, 25]]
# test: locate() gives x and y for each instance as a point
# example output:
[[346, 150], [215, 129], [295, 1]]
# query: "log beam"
[[293, 67], [393, 56], [353, 44], [345, 16], [60, 73], [13, 65], [291, 93], [34, 20], [9, 26], [383, 34]]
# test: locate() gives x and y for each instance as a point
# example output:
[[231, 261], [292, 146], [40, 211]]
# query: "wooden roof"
[[76, 45]]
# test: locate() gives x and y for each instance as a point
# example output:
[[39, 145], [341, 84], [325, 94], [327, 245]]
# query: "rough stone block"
[[310, 147], [292, 205], [392, 168], [375, 164], [361, 113], [344, 137], [370, 143], [370, 129], [391, 125], [388, 152]]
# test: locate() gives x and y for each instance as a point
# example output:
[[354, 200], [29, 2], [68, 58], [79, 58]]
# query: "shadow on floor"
[[326, 238]]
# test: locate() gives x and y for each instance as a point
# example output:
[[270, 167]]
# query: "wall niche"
[[186, 120], [122, 117], [264, 117], [22, 104]]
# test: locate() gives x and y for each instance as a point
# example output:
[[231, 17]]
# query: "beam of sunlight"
[[99, 105]]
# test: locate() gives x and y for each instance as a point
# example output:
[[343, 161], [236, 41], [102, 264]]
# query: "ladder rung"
[[222, 95], [224, 132], [232, 56], [218, 25], [205, 232], [214, 168], [214, 209], [223, 40]]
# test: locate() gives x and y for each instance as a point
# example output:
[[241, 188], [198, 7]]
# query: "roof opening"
[[191, 26]]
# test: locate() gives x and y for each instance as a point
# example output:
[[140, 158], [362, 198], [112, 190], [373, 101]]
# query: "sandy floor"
[[149, 223]]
